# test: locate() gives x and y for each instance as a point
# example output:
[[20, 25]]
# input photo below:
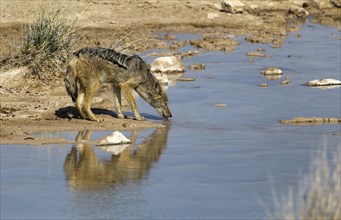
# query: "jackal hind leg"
[[118, 101], [89, 92], [126, 88]]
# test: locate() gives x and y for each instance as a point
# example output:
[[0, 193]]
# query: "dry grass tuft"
[[318, 195], [49, 34], [46, 46], [48, 40]]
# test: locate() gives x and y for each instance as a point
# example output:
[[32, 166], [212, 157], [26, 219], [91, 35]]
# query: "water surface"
[[208, 162]]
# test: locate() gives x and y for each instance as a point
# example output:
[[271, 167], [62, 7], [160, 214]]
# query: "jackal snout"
[[164, 111], [159, 101]]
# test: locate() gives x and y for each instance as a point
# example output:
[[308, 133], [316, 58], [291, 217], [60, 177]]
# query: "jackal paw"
[[99, 119], [120, 116], [141, 118]]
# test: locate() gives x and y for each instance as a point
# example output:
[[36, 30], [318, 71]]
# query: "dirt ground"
[[29, 106]]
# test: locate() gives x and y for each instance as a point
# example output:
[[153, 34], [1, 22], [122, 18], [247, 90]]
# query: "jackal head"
[[156, 97]]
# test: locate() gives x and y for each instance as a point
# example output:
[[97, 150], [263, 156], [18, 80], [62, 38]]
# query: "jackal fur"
[[92, 66]]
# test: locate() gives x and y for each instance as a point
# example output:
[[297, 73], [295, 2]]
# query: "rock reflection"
[[168, 79], [85, 171]]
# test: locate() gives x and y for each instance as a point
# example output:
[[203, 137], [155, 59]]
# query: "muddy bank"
[[31, 109], [97, 25], [29, 105]]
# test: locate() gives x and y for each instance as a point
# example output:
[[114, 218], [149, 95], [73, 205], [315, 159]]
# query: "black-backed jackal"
[[92, 66]]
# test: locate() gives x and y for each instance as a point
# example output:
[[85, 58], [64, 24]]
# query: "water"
[[208, 162]]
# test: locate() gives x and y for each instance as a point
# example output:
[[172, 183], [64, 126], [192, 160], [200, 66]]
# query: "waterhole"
[[207, 162]]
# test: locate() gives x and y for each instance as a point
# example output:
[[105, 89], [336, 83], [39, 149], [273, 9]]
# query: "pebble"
[[185, 79], [257, 54], [197, 66], [272, 71], [286, 81], [220, 105]]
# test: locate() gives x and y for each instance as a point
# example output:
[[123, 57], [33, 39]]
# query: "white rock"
[[167, 65], [115, 138], [232, 6], [212, 15], [323, 82]]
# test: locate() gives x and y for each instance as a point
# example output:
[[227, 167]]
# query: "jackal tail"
[[70, 83]]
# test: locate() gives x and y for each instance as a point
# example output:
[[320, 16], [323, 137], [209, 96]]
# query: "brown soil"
[[29, 105]]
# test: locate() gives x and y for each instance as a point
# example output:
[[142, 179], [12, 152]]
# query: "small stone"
[[220, 105], [169, 36], [185, 79], [197, 66], [212, 15], [286, 81], [298, 11], [272, 71], [257, 54], [263, 85]]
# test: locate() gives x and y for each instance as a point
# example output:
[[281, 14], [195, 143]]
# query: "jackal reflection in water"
[[84, 171]]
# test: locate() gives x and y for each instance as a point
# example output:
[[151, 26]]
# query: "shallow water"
[[208, 162]]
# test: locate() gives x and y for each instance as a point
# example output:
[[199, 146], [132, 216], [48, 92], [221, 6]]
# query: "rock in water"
[[220, 105], [312, 120], [257, 54], [272, 71], [169, 64], [323, 82], [115, 138], [197, 66], [286, 81]]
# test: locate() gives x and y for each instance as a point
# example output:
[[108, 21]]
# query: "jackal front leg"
[[118, 101], [126, 88], [89, 92]]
